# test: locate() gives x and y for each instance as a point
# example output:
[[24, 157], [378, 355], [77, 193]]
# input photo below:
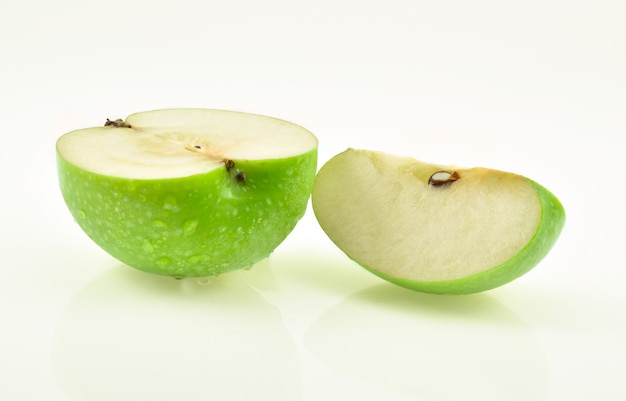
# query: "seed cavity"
[[441, 178]]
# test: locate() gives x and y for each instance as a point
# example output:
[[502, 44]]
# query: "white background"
[[534, 87]]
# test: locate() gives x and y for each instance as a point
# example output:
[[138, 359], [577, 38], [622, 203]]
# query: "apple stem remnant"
[[441, 178], [119, 123]]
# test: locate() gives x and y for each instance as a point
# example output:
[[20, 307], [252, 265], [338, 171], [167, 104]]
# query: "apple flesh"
[[188, 192], [434, 228]]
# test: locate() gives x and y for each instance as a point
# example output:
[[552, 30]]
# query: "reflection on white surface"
[[432, 347], [130, 336]]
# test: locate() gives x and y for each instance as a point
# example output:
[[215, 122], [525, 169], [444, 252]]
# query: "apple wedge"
[[434, 228], [188, 192]]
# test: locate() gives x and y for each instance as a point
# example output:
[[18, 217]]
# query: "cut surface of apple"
[[435, 228], [188, 192]]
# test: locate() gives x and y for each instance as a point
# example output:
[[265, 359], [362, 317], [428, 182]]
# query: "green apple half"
[[188, 192], [433, 228]]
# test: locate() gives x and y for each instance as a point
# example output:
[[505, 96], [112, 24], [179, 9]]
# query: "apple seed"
[[443, 178]]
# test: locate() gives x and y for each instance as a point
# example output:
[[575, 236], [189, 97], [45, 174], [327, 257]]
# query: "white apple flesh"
[[188, 192], [435, 228]]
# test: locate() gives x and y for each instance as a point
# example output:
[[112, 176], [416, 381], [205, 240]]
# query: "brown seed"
[[443, 178]]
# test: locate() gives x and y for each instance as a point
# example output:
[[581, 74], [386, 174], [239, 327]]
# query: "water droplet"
[[147, 246], [170, 204], [190, 227], [82, 214], [196, 259], [268, 201], [159, 223], [164, 261]]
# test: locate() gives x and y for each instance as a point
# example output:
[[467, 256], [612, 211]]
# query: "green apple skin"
[[195, 226], [550, 226]]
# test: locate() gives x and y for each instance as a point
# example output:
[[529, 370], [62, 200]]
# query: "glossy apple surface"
[[433, 228], [188, 192]]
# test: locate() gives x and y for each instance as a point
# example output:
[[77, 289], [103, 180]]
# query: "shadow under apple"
[[128, 335], [432, 347]]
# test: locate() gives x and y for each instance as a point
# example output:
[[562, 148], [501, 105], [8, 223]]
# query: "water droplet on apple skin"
[[164, 261], [159, 224], [170, 204], [189, 227], [147, 246]]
